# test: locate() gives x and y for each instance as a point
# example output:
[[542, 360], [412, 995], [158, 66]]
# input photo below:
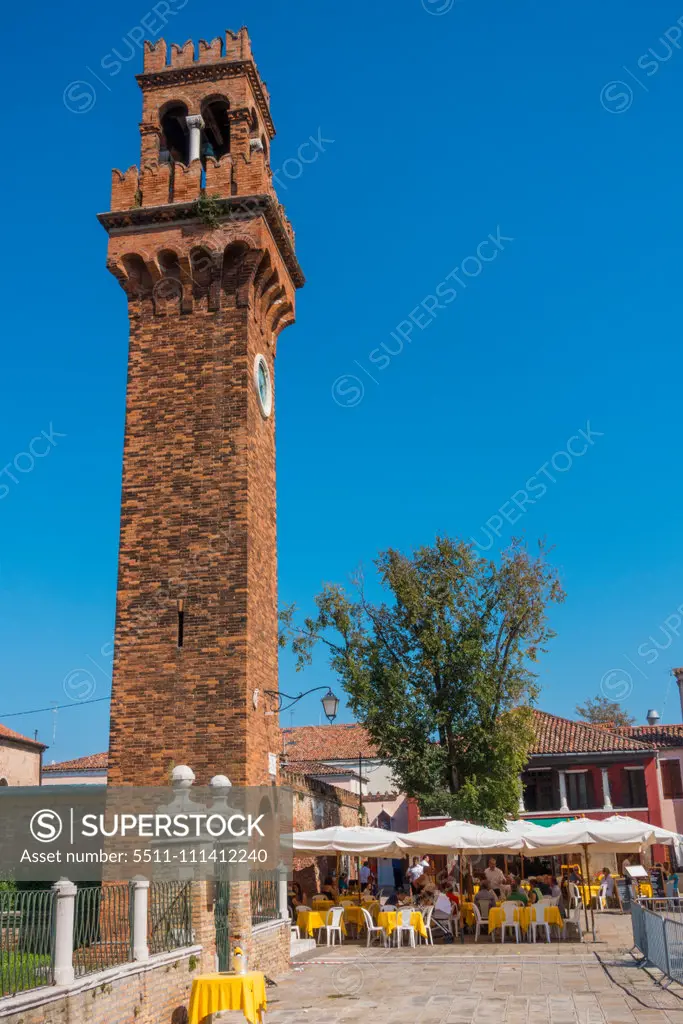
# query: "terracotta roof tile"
[[10, 734], [328, 742], [79, 764], [556, 735], [314, 768], [656, 736]]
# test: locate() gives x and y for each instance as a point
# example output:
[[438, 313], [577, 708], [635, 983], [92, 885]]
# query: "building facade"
[[21, 759], [578, 768]]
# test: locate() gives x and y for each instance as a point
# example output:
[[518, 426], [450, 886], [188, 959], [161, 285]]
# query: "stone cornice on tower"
[[233, 209]]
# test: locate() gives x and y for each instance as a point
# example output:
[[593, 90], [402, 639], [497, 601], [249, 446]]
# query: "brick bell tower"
[[205, 254]]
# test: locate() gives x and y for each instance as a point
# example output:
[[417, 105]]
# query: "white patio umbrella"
[[595, 836], [600, 836], [463, 837], [354, 840], [654, 833], [363, 841]]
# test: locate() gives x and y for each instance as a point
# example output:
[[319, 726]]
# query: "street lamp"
[[330, 705], [330, 701]]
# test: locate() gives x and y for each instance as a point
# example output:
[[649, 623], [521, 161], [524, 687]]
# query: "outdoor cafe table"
[[212, 993], [322, 904], [308, 921], [468, 912], [389, 921], [524, 916]]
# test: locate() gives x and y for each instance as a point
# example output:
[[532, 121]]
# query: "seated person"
[[543, 885], [392, 899], [555, 889], [518, 893], [343, 884], [295, 899], [451, 895], [485, 899], [330, 890], [427, 896]]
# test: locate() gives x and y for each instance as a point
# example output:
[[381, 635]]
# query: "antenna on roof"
[[54, 722]]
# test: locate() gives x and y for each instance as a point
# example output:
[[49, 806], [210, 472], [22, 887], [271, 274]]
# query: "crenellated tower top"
[[205, 160]]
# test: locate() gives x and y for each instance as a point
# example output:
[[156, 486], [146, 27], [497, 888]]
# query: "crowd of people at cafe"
[[421, 886]]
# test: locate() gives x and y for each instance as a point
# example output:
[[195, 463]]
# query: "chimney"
[[653, 717], [678, 672]]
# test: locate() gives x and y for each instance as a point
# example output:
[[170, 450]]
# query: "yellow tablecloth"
[[389, 921], [468, 913], [321, 904], [588, 892], [309, 921], [524, 916], [214, 992], [354, 915]]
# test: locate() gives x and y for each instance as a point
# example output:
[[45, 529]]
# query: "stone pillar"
[[607, 799], [195, 122], [282, 891], [564, 806], [521, 809], [140, 897], [65, 904]]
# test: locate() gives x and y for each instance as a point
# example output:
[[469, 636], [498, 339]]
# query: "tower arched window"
[[216, 128], [174, 142]]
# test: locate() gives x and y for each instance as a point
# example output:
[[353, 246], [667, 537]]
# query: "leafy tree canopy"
[[440, 672], [603, 711]]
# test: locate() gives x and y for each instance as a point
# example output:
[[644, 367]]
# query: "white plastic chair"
[[574, 896], [444, 917], [404, 926], [479, 923], [373, 929], [427, 918], [509, 908], [333, 923], [538, 920], [574, 917], [293, 927]]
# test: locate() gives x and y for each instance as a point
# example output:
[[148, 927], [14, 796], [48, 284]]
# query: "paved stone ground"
[[564, 983]]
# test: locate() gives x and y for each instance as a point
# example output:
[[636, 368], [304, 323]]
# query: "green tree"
[[603, 711], [440, 672]]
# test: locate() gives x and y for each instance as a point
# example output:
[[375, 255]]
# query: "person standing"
[[494, 876], [414, 872]]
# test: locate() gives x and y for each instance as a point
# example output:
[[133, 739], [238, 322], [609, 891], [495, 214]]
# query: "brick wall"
[[316, 805], [156, 992], [198, 509]]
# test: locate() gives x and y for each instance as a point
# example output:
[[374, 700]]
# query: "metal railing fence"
[[102, 928], [264, 897], [26, 940], [169, 916], [658, 933]]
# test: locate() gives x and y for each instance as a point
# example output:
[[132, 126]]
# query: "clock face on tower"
[[264, 387]]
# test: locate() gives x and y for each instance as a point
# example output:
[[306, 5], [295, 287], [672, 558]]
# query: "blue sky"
[[444, 127]]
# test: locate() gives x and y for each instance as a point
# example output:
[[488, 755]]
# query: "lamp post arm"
[[288, 696]]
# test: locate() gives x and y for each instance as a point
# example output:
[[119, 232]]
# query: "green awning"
[[547, 822]]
